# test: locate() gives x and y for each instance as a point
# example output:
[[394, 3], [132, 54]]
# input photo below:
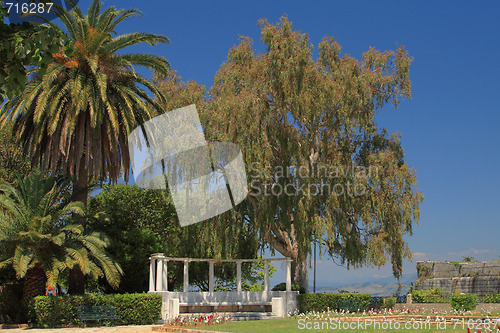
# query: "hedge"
[[465, 302], [322, 302], [10, 304], [295, 287], [435, 295], [131, 309], [495, 298], [389, 302]]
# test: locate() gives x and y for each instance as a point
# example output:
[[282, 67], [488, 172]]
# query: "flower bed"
[[199, 320]]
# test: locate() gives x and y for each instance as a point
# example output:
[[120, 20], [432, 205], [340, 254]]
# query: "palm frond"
[[152, 62], [22, 260], [36, 229], [134, 38]]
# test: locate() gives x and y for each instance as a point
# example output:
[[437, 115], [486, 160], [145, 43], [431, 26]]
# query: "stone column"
[[159, 275], [266, 275], [186, 276], [238, 275], [165, 275], [152, 271], [288, 274], [211, 285]]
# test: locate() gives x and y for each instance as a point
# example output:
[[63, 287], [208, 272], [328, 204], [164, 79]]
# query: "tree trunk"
[[80, 187], [76, 281], [285, 243], [34, 283], [299, 272], [80, 193]]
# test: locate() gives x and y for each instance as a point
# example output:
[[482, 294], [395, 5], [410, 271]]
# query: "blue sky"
[[450, 129]]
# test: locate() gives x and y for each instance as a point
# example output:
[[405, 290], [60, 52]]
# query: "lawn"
[[293, 325]]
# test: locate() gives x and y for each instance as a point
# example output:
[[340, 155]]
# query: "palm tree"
[[38, 239], [77, 115]]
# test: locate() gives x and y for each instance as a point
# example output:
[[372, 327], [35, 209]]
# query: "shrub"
[[323, 302], [10, 304], [295, 287], [495, 298], [389, 302], [435, 295], [466, 302], [131, 309]]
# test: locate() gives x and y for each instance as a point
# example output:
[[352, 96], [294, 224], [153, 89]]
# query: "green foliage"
[[495, 298], [128, 207], [252, 277], [131, 309], [435, 295], [25, 45], [141, 222], [178, 93], [289, 110], [94, 91], [323, 302], [10, 303], [39, 239], [13, 162], [465, 302], [424, 271], [295, 287], [389, 302]]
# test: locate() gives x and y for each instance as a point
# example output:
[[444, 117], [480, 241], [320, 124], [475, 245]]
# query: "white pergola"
[[282, 302], [158, 272]]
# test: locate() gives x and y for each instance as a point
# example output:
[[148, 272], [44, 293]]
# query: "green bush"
[[389, 302], [495, 298], [435, 295], [10, 304], [131, 309], [465, 302], [295, 287], [322, 302]]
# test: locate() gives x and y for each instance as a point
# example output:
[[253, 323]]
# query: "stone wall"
[[481, 278]]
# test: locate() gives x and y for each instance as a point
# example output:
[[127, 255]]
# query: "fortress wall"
[[481, 278]]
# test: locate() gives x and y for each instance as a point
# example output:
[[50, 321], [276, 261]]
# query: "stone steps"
[[238, 316], [253, 315]]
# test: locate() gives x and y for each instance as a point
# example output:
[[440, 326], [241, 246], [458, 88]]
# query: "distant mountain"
[[380, 287], [374, 289]]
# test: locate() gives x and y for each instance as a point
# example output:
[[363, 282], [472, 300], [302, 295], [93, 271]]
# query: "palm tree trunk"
[[34, 283], [80, 193], [80, 188], [76, 281]]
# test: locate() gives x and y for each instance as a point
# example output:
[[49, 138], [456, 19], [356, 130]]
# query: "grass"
[[369, 321], [293, 325]]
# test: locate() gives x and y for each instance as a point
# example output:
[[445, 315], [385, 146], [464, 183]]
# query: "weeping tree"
[[318, 167], [214, 238]]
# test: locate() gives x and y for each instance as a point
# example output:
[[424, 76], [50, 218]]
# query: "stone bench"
[[278, 306], [224, 304]]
